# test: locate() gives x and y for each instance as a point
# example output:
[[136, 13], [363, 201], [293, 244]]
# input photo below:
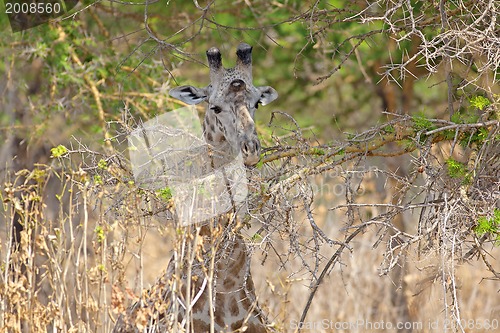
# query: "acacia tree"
[[429, 70]]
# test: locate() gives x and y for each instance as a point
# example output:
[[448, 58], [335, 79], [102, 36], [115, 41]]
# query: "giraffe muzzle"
[[251, 151]]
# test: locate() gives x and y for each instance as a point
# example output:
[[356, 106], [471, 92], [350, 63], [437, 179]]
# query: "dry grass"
[[83, 258]]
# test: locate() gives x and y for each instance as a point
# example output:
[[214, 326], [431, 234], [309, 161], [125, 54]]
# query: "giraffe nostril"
[[251, 147], [244, 148]]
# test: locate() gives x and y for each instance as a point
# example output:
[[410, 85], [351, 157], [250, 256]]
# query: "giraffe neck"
[[229, 300], [222, 145]]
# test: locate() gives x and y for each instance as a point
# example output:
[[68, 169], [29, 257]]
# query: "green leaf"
[[99, 232], [257, 237], [458, 170], [98, 179], [489, 225], [421, 122], [102, 164], [389, 129], [448, 134], [165, 193], [260, 164], [58, 151], [39, 175], [456, 118], [318, 151], [479, 102], [464, 117]]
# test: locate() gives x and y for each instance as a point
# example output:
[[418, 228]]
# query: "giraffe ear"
[[189, 94], [267, 95]]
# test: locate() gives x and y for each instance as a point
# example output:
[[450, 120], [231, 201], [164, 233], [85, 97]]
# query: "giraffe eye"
[[216, 109]]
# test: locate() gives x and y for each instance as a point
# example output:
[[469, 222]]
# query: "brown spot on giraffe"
[[238, 264], [237, 325], [233, 307], [219, 312], [229, 283]]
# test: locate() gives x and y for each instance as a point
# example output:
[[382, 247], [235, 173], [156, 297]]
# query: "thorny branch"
[[465, 35], [447, 206]]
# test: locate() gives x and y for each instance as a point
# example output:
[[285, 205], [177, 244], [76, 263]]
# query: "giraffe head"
[[232, 100]]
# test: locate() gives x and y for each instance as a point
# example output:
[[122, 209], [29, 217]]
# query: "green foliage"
[[58, 151], [468, 117], [165, 193], [422, 122], [458, 170], [389, 129], [489, 225], [318, 151], [98, 179], [260, 164], [464, 117], [102, 164], [479, 102], [477, 137], [96, 129], [448, 134], [257, 238], [39, 175], [408, 144], [99, 232]]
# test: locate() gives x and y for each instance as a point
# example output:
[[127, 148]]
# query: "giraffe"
[[216, 293]]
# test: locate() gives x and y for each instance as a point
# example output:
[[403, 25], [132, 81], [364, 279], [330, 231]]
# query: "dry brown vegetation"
[[375, 202], [82, 259]]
